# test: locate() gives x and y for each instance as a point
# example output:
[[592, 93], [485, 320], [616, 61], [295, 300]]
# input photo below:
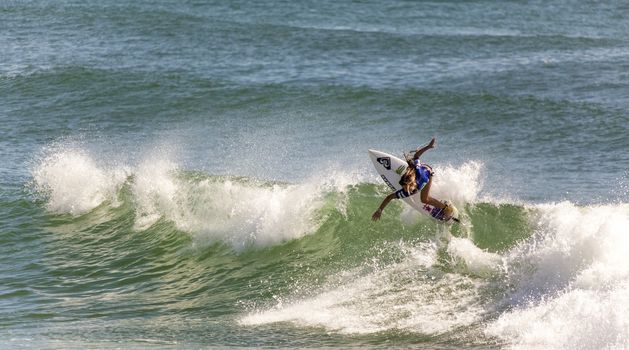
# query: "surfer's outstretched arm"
[[420, 151], [385, 202]]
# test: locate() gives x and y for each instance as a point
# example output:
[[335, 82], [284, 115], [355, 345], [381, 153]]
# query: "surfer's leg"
[[428, 199]]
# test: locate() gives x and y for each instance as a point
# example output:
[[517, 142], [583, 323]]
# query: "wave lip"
[[241, 212], [72, 182]]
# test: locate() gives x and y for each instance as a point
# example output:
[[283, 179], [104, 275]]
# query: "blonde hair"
[[407, 180]]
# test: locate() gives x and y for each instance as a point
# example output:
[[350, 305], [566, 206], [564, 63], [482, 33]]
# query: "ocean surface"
[[194, 174]]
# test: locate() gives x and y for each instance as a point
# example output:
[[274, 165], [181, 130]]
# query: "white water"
[[237, 211], [409, 296], [571, 281], [73, 182], [566, 287]]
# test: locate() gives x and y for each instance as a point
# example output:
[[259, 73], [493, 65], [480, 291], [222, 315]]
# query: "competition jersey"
[[422, 175]]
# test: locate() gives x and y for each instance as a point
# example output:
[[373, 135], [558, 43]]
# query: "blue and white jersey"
[[422, 174]]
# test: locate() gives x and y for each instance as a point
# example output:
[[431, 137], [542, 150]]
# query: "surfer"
[[418, 177]]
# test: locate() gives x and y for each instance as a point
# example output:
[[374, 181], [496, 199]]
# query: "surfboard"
[[391, 169]]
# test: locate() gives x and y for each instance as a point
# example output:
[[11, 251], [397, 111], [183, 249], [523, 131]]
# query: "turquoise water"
[[195, 174]]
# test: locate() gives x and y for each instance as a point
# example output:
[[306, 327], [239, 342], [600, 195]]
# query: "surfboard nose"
[[376, 153]]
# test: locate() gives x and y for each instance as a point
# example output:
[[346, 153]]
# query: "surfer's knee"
[[423, 196]]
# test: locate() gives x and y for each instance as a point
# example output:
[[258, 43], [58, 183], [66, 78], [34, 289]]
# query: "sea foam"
[[240, 212], [571, 281], [409, 296], [73, 182]]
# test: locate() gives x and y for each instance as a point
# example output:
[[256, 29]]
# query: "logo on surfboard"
[[387, 182], [385, 161], [400, 169]]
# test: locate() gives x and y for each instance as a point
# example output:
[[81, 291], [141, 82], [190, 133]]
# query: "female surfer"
[[418, 177]]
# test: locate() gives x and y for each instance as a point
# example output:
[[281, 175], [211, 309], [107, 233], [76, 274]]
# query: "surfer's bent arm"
[[421, 151], [385, 202]]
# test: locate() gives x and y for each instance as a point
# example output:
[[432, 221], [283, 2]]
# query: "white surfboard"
[[391, 169]]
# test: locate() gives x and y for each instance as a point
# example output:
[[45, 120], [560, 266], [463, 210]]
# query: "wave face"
[[137, 245]]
